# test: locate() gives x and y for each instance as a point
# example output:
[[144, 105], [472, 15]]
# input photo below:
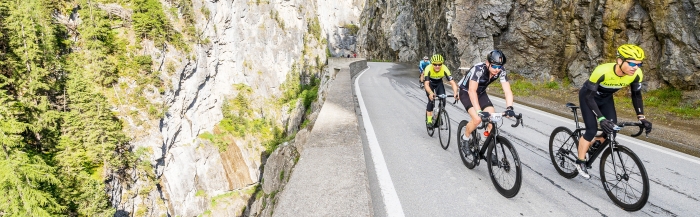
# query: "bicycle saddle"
[[571, 105]]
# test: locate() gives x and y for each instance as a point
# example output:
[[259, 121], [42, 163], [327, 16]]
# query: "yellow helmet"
[[630, 51], [437, 59]]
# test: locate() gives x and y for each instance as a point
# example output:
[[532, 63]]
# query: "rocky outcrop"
[[542, 38], [256, 44], [403, 30]]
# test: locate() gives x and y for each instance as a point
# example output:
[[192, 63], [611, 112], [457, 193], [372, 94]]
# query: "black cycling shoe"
[[466, 146], [582, 169]]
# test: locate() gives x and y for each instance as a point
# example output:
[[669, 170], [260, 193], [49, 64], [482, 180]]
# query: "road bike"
[[441, 121], [504, 164], [622, 173]]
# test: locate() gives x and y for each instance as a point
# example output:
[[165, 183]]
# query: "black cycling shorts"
[[437, 88], [484, 100], [606, 106]]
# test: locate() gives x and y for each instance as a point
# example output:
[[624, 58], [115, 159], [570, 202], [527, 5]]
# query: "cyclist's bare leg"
[[490, 110], [583, 146], [600, 138], [476, 120]]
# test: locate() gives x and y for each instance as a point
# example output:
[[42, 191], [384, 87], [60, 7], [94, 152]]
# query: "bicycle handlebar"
[[486, 120], [640, 125], [518, 120]]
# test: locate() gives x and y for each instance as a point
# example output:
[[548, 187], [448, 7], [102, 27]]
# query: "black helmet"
[[496, 57]]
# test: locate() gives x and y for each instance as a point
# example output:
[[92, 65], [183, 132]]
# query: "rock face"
[[541, 38], [251, 43]]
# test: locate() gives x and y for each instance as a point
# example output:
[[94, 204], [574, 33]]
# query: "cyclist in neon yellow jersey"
[[433, 83], [596, 98]]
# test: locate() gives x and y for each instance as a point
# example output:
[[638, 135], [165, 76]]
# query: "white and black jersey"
[[480, 74]]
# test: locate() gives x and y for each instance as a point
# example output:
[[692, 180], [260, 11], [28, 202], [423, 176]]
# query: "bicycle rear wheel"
[[444, 129], [563, 150], [469, 160], [504, 167], [625, 180]]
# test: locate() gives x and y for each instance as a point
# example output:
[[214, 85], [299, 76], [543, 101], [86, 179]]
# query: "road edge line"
[[389, 196]]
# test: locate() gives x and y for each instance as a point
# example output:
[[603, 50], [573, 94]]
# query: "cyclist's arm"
[[636, 92], [508, 93], [591, 89], [426, 85], [506, 88], [473, 85], [448, 75]]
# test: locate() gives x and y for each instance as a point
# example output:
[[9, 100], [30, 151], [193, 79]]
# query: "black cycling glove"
[[607, 125], [647, 125], [483, 114], [509, 111]]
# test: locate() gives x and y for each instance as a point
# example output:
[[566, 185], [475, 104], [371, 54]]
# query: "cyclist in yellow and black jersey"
[[433, 75], [596, 97]]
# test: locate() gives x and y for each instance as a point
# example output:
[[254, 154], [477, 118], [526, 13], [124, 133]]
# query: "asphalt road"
[[425, 180]]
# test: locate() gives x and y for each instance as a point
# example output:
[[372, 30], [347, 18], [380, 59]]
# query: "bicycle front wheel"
[[467, 151], [624, 178], [444, 129], [563, 150], [504, 167], [430, 129]]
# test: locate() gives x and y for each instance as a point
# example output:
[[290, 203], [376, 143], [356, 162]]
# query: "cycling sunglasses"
[[437, 64], [631, 64], [496, 66]]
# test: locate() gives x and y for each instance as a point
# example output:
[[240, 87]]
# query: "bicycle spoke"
[[629, 190]]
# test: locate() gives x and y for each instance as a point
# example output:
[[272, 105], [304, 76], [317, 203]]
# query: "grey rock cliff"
[[256, 44], [542, 38]]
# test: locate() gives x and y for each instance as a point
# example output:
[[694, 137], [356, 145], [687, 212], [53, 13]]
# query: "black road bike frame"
[[491, 139], [441, 106], [595, 150]]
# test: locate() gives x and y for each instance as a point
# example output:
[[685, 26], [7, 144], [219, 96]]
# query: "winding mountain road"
[[411, 175]]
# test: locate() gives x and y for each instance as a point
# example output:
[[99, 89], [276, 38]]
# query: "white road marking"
[[391, 199]]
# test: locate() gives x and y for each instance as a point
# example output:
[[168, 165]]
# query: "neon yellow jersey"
[[432, 74], [609, 83]]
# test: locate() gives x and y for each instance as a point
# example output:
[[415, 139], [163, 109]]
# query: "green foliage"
[[521, 87], [275, 15], [187, 17], [205, 11], [30, 63], [314, 27], [200, 193], [671, 100], [58, 135], [551, 85], [352, 28], [150, 22]]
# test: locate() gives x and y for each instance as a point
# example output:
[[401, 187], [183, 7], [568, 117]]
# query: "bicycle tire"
[[444, 128], [508, 164], [564, 143], [641, 178], [469, 161]]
